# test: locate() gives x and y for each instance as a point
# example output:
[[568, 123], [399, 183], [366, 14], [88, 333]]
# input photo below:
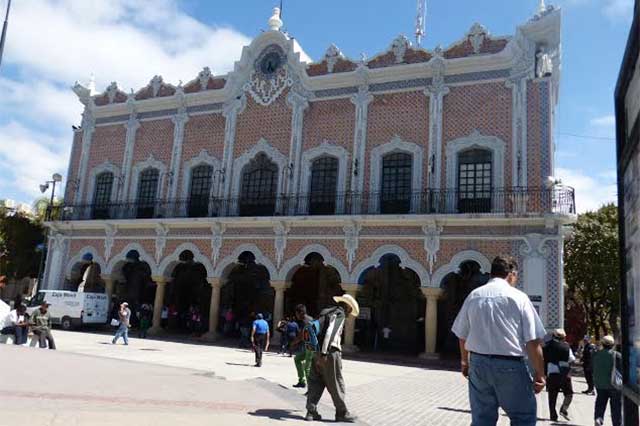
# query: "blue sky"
[[52, 43]]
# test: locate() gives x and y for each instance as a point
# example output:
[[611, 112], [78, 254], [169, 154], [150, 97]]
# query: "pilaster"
[[179, 122], [518, 87], [88, 128], [230, 113], [132, 126], [361, 100], [299, 104]]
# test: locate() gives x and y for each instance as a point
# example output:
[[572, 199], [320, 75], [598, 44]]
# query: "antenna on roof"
[[280, 9], [421, 14]]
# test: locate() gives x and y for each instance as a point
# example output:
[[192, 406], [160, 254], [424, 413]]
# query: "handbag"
[[114, 322], [616, 375]]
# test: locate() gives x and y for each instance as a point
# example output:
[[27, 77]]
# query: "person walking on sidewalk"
[[41, 326], [557, 362], [496, 327], [260, 338], [587, 355], [124, 315], [326, 370], [604, 367], [303, 347]]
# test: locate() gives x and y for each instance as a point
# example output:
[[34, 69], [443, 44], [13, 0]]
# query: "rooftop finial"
[[92, 84], [275, 23], [542, 7], [420, 21]]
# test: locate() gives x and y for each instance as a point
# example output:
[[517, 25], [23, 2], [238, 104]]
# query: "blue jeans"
[[504, 383], [123, 331]]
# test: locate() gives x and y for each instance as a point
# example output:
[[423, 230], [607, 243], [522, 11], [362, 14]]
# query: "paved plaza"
[[88, 381]]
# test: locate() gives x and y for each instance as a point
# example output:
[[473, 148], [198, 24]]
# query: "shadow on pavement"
[[460, 410], [240, 364], [277, 414]]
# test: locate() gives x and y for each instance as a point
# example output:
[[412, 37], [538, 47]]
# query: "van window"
[[37, 300]]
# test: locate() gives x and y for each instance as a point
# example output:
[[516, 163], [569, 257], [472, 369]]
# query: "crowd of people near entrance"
[[19, 324], [508, 358]]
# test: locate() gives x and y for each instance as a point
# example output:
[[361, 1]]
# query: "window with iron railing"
[[147, 193], [395, 191], [324, 185], [258, 192], [200, 191], [474, 181], [102, 195]]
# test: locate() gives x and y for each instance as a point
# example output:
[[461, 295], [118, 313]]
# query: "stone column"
[[278, 307], [431, 321], [350, 324], [158, 303], [214, 309]]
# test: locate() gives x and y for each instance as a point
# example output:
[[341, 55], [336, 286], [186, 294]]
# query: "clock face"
[[270, 63]]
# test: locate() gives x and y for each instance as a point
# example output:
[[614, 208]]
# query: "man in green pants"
[[304, 353]]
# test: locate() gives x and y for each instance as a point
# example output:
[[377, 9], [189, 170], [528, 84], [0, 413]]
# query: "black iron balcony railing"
[[512, 201]]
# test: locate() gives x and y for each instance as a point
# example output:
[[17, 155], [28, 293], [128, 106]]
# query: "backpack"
[[310, 335]]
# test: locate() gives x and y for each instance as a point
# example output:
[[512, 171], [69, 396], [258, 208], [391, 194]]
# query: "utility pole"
[[4, 30]]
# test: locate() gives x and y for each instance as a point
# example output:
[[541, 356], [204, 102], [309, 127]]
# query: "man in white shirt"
[[497, 327], [15, 323]]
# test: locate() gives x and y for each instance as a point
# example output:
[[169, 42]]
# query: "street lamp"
[[56, 178]]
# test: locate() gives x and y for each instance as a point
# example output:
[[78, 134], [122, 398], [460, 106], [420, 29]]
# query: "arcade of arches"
[[418, 319]]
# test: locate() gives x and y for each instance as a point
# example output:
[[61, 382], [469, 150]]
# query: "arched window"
[[395, 191], [323, 187], [147, 192], [258, 192], [474, 181], [200, 190], [102, 195]]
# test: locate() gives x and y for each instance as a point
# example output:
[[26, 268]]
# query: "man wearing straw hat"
[[326, 370]]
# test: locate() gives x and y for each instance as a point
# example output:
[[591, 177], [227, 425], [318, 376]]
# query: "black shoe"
[[565, 414], [346, 418], [300, 385], [313, 416], [553, 419]]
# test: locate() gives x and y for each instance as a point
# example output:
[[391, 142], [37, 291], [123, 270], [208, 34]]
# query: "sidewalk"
[[381, 394]]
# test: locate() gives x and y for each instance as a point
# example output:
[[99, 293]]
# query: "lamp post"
[[56, 178]]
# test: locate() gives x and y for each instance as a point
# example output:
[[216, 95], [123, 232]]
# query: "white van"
[[72, 309]]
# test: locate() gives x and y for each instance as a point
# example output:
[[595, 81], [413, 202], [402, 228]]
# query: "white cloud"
[[591, 191], [619, 9], [29, 158], [604, 121], [52, 43]]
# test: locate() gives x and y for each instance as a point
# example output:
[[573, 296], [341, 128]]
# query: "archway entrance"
[[86, 276], [188, 296], [456, 287], [132, 284], [394, 306], [246, 292], [313, 284]]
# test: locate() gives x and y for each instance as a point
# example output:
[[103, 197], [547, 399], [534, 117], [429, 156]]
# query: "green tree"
[[592, 268], [20, 236]]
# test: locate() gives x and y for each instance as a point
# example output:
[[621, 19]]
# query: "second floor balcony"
[[508, 202]]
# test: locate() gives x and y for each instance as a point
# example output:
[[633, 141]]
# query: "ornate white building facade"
[[435, 157]]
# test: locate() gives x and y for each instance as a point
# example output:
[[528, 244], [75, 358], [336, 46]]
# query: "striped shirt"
[[331, 325]]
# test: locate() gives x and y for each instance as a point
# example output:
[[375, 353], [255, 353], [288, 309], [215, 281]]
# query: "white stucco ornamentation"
[[476, 140], [399, 47], [121, 257], [112, 91], [110, 231], [331, 150], [179, 122], [436, 92], [203, 77], [132, 126], [331, 56], [261, 147], [275, 23], [351, 240], [281, 230], [396, 145], [406, 261], [138, 168], [203, 158], [291, 266], [88, 128], [97, 258], [107, 166], [156, 83], [265, 90], [162, 230], [217, 238], [361, 100], [476, 35], [223, 267], [432, 242], [454, 265], [165, 268], [230, 112], [298, 103]]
